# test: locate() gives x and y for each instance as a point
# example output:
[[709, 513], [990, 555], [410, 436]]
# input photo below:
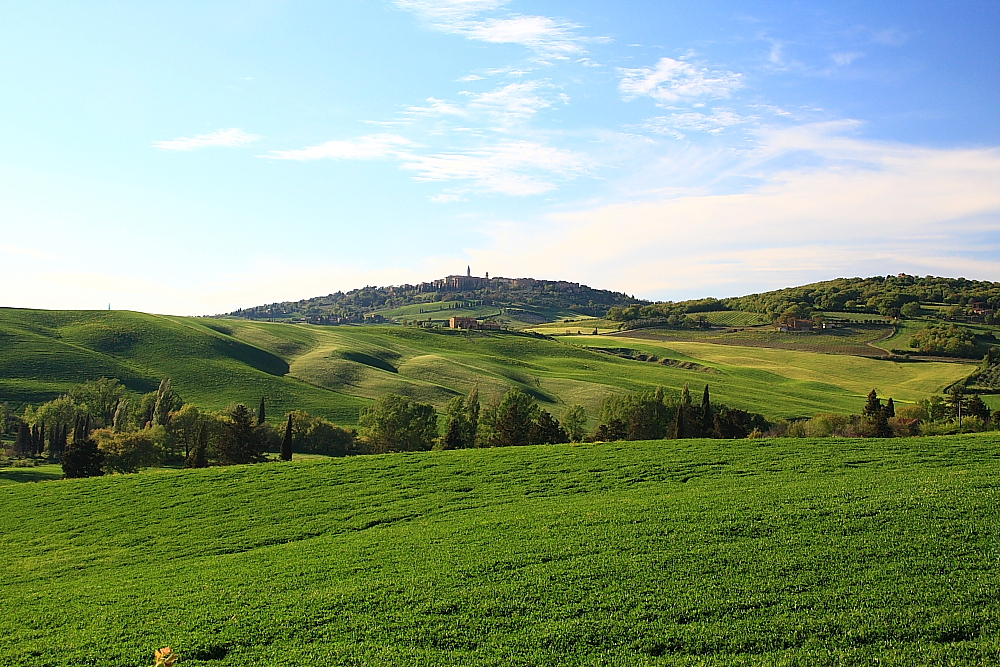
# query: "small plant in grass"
[[165, 657]]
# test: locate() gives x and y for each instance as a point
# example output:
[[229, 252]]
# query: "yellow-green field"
[[905, 381]]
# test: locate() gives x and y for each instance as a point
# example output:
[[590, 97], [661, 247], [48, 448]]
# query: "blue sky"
[[193, 158]]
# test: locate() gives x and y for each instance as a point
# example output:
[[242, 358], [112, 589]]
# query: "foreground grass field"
[[786, 552]]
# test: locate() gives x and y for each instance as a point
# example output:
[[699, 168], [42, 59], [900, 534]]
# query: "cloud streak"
[[372, 147], [234, 137], [673, 80], [546, 36]]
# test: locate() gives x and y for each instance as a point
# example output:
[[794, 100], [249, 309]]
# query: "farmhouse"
[[472, 323], [796, 325]]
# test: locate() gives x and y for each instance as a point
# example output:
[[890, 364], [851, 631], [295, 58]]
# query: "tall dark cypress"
[[890, 408], [40, 447], [34, 441], [707, 421], [286, 442], [23, 443], [260, 412], [198, 456], [678, 429]]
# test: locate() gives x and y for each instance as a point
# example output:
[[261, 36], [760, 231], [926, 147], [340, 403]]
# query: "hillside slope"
[[657, 553], [335, 371]]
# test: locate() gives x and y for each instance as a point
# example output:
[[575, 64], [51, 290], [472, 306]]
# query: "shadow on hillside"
[[369, 360], [251, 356]]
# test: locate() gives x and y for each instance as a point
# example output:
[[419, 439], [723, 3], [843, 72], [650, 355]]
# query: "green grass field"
[[779, 552], [336, 371]]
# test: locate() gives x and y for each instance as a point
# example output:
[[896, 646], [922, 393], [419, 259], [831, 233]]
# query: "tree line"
[[98, 428]]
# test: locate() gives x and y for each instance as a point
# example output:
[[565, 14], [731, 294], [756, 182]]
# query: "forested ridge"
[[886, 295]]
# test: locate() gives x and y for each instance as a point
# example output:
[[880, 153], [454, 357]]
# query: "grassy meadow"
[[336, 371], [695, 552]]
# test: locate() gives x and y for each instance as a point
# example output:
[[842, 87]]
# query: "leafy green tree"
[[936, 408], [460, 432], [946, 339], [975, 407], [314, 435], [167, 400], [395, 424], [182, 431], [241, 440], [61, 410], [513, 419], [98, 398], [127, 452], [575, 422], [911, 309]]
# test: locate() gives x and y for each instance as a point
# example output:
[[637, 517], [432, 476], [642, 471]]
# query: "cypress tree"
[[453, 436], [198, 456], [678, 428], [873, 408], [40, 446], [473, 408], [260, 412], [707, 422], [33, 448], [890, 408], [686, 395], [23, 443], [286, 442]]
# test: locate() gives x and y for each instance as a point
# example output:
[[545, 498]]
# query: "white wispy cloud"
[[676, 124], [546, 36], [435, 107], [516, 168], [371, 147], [231, 138], [672, 80], [516, 101]]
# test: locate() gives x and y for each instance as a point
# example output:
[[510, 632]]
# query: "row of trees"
[[182, 433]]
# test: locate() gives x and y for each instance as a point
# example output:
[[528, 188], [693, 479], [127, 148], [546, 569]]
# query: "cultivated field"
[[904, 381], [779, 552], [857, 340]]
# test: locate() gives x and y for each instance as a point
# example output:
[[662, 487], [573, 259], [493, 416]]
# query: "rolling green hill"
[[778, 552], [335, 371]]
